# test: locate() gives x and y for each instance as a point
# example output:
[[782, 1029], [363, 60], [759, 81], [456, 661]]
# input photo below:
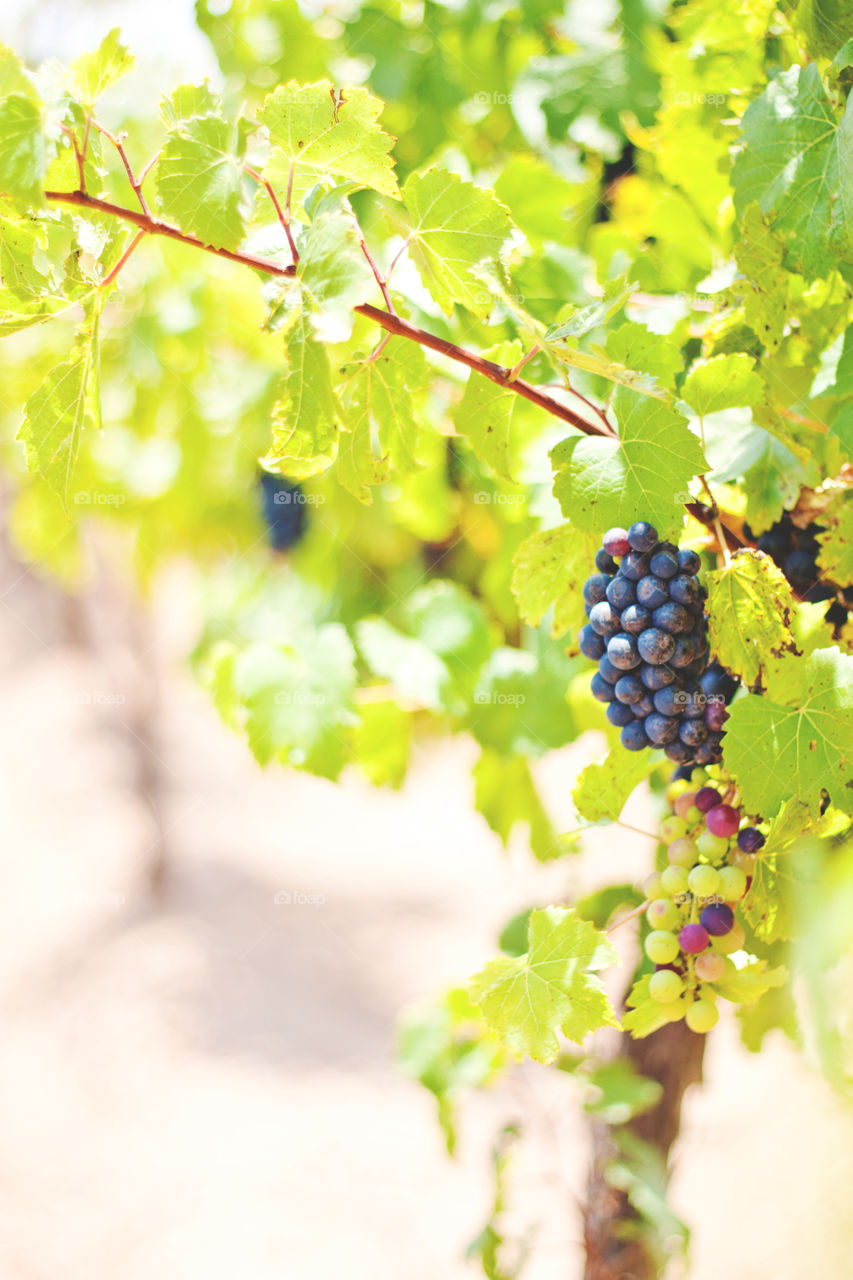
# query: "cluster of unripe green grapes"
[[692, 901]]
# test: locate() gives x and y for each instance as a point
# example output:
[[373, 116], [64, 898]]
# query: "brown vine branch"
[[140, 235], [282, 215], [118, 143]]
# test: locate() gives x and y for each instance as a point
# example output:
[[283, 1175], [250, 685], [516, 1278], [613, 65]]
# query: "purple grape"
[[706, 798], [693, 732], [684, 589], [670, 701], [634, 566], [605, 563], [716, 716], [678, 752], [716, 682], [622, 652], [629, 689], [800, 570], [692, 708], [693, 938], [652, 592], [661, 730], [708, 752], [603, 620], [717, 919], [750, 840], [671, 617], [635, 618], [656, 646], [590, 643], [688, 562], [595, 588], [633, 736], [615, 542], [601, 690], [620, 714], [606, 668], [664, 562], [684, 649], [657, 677], [620, 593], [642, 536], [644, 707]]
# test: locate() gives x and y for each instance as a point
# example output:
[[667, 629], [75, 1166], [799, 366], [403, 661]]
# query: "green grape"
[[674, 881], [672, 828], [652, 886], [665, 986], [732, 883], [693, 816], [698, 778], [703, 881], [675, 789], [683, 852], [710, 967], [661, 947], [701, 1016], [730, 942], [662, 914], [711, 846]]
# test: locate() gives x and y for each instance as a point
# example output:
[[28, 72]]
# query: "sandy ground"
[[205, 1087]]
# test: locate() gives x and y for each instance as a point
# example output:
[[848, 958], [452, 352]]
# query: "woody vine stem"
[[393, 324]]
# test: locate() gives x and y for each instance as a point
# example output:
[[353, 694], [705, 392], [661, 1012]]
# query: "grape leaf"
[[520, 705], [58, 410], [749, 611], [759, 255], [541, 201], [836, 542], [602, 789], [798, 740], [93, 73], [305, 433], [382, 743], [23, 157], [187, 101], [635, 347], [454, 226], [381, 403], [13, 77], [549, 568], [318, 132], [746, 985], [527, 1001], [416, 671], [789, 165], [725, 382], [772, 476], [645, 1014], [584, 319], [505, 794], [199, 180], [484, 414], [642, 475]]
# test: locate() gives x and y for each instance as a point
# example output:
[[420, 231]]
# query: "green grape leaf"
[[798, 740], [16, 314], [542, 202], [382, 403], [601, 790], [382, 743], [296, 701], [305, 432], [187, 101], [505, 794], [93, 73], [520, 705], [619, 1093], [772, 476], [13, 77], [789, 165], [836, 542], [549, 568], [416, 671], [635, 347], [750, 609], [484, 414], [584, 319], [319, 132], [645, 1014], [57, 412], [759, 255], [200, 180], [454, 226], [333, 275], [746, 985], [527, 1001], [23, 157], [725, 382], [642, 475]]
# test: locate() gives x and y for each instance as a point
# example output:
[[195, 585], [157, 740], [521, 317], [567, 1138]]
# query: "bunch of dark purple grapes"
[[648, 632], [795, 552]]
